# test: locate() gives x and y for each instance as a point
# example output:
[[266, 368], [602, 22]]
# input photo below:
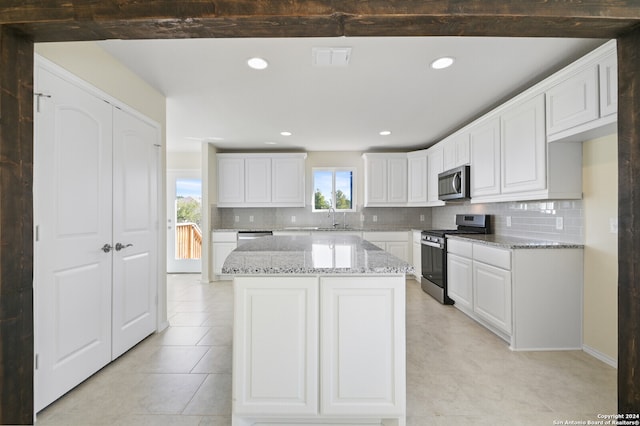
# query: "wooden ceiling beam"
[[60, 20]]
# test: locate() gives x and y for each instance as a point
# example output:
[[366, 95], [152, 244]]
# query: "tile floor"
[[457, 372]]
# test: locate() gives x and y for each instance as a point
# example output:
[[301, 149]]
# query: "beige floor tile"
[[218, 336], [213, 398], [216, 360], [184, 336]]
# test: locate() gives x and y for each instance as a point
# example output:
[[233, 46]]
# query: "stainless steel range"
[[434, 253]]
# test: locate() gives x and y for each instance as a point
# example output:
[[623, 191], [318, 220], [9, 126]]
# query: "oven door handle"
[[430, 244]]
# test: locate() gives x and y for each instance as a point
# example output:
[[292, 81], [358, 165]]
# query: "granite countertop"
[[322, 254], [316, 229], [508, 242]]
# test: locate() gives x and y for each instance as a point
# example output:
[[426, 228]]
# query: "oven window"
[[433, 264]]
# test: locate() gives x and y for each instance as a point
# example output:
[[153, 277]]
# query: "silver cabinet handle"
[[120, 246], [106, 248]]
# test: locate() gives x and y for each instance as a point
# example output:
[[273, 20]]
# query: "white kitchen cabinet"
[[460, 281], [434, 167], [396, 243], [492, 295], [456, 150], [261, 180], [385, 179], [416, 253], [288, 181], [362, 341], [230, 181], [523, 147], [223, 243], [257, 180], [608, 74], [573, 101], [276, 352], [417, 175], [531, 298], [485, 157]]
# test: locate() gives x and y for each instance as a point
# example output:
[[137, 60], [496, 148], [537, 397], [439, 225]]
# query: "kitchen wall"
[[600, 186], [184, 160]]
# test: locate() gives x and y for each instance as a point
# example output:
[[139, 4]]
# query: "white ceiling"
[[388, 85]]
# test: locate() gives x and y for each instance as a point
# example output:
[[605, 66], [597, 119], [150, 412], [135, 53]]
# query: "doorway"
[[184, 219]]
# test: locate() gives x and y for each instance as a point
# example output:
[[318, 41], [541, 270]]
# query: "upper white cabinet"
[[435, 165], [417, 184], [523, 147], [583, 99], [385, 179], [261, 180], [485, 157], [456, 150]]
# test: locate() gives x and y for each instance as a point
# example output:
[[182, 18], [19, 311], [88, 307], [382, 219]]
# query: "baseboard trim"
[[601, 356]]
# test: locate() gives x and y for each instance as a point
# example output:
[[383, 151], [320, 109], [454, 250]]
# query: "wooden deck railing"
[[188, 241]]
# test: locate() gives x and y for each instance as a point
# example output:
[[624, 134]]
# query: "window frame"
[[333, 171]]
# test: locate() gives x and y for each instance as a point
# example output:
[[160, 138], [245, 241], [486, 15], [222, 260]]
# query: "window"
[[333, 188]]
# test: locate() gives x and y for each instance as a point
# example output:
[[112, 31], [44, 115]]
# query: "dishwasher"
[[246, 236]]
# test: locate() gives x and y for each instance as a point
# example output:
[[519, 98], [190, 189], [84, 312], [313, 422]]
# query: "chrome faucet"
[[332, 214]]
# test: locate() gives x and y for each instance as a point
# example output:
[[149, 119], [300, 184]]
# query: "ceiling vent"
[[330, 56]]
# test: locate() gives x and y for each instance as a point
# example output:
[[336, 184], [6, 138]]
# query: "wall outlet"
[[250, 218], [293, 219], [508, 221], [613, 225], [236, 219], [374, 218], [361, 217], [421, 218], [559, 223]]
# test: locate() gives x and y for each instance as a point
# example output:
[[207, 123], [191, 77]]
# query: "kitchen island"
[[319, 332]]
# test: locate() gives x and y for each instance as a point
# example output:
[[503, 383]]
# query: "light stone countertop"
[[322, 254], [316, 229], [508, 242]]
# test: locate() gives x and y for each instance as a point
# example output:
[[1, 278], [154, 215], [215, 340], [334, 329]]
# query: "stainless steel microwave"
[[454, 184]]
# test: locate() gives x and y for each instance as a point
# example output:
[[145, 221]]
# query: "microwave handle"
[[456, 182]]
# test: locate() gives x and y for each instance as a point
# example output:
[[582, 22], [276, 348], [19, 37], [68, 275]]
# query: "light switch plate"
[[559, 223], [374, 218], [250, 218], [508, 221], [293, 219], [236, 219]]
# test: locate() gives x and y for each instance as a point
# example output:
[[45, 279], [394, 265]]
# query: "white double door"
[[95, 193]]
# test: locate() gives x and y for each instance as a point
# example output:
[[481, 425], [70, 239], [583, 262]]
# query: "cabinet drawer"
[[224, 237], [462, 248], [492, 256]]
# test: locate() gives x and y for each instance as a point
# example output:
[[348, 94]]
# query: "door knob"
[[106, 248], [120, 246]]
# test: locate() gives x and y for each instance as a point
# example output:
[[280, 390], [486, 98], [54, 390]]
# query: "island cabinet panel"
[[362, 358], [276, 348]]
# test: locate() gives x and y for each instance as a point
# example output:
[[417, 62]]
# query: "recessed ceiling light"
[[286, 133], [442, 63], [257, 63], [271, 143], [385, 133]]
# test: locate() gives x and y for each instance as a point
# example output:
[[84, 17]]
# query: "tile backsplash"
[[532, 219]]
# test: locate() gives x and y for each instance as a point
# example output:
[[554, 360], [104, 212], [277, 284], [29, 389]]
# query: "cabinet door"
[[363, 345], [275, 366], [376, 180], [435, 166], [456, 151], [257, 172], [573, 101], [492, 295], [523, 152], [608, 72], [220, 253], [460, 281], [288, 181], [397, 181], [399, 249], [485, 158], [230, 181], [417, 179]]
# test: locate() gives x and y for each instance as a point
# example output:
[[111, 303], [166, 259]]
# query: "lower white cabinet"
[[223, 243], [314, 348], [416, 253], [532, 298], [492, 295], [396, 243]]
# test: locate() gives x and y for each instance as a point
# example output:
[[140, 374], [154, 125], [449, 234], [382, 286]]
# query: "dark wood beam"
[[16, 225], [629, 220]]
